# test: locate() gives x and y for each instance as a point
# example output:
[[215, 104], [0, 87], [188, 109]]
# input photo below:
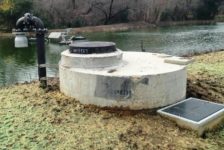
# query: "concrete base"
[[140, 81]]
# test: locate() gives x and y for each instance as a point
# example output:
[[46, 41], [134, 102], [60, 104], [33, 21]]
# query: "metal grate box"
[[195, 114]]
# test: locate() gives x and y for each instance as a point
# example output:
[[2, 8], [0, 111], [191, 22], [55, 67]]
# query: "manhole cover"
[[92, 47]]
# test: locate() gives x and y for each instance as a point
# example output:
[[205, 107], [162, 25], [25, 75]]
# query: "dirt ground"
[[206, 77], [31, 118]]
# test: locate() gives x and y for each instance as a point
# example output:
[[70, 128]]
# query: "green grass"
[[215, 69]]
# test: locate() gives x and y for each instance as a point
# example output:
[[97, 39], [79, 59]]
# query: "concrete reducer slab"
[[141, 81], [91, 60]]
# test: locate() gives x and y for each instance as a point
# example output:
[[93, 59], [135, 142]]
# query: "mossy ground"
[[31, 118]]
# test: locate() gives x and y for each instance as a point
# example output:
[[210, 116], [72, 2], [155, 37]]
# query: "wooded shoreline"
[[124, 27]]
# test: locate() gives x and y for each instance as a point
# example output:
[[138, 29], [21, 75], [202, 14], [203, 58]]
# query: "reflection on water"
[[19, 65], [171, 40]]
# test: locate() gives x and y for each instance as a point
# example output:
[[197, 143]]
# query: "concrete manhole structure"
[[100, 74]]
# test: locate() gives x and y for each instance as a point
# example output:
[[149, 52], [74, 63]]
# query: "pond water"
[[19, 65]]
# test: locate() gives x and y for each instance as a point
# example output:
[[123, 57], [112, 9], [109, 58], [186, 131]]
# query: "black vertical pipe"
[[142, 46], [32, 23], [41, 59]]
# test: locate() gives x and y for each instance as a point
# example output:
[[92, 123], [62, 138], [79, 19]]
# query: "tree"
[[207, 9], [6, 5], [5, 10], [11, 10], [111, 11], [73, 13]]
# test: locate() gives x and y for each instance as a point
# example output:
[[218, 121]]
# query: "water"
[[19, 65], [170, 40]]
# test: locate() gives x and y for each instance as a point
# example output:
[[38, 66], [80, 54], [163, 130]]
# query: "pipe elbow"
[[20, 23], [38, 23], [29, 22]]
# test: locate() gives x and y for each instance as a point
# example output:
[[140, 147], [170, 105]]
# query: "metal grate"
[[192, 109]]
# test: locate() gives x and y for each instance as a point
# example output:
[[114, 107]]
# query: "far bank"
[[123, 27], [134, 25]]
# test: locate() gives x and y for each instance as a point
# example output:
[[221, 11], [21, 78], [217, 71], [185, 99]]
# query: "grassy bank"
[[186, 23], [206, 77], [5, 34], [136, 25], [109, 28], [101, 28], [31, 118], [220, 18]]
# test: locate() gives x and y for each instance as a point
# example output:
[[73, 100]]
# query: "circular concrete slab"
[[141, 81]]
